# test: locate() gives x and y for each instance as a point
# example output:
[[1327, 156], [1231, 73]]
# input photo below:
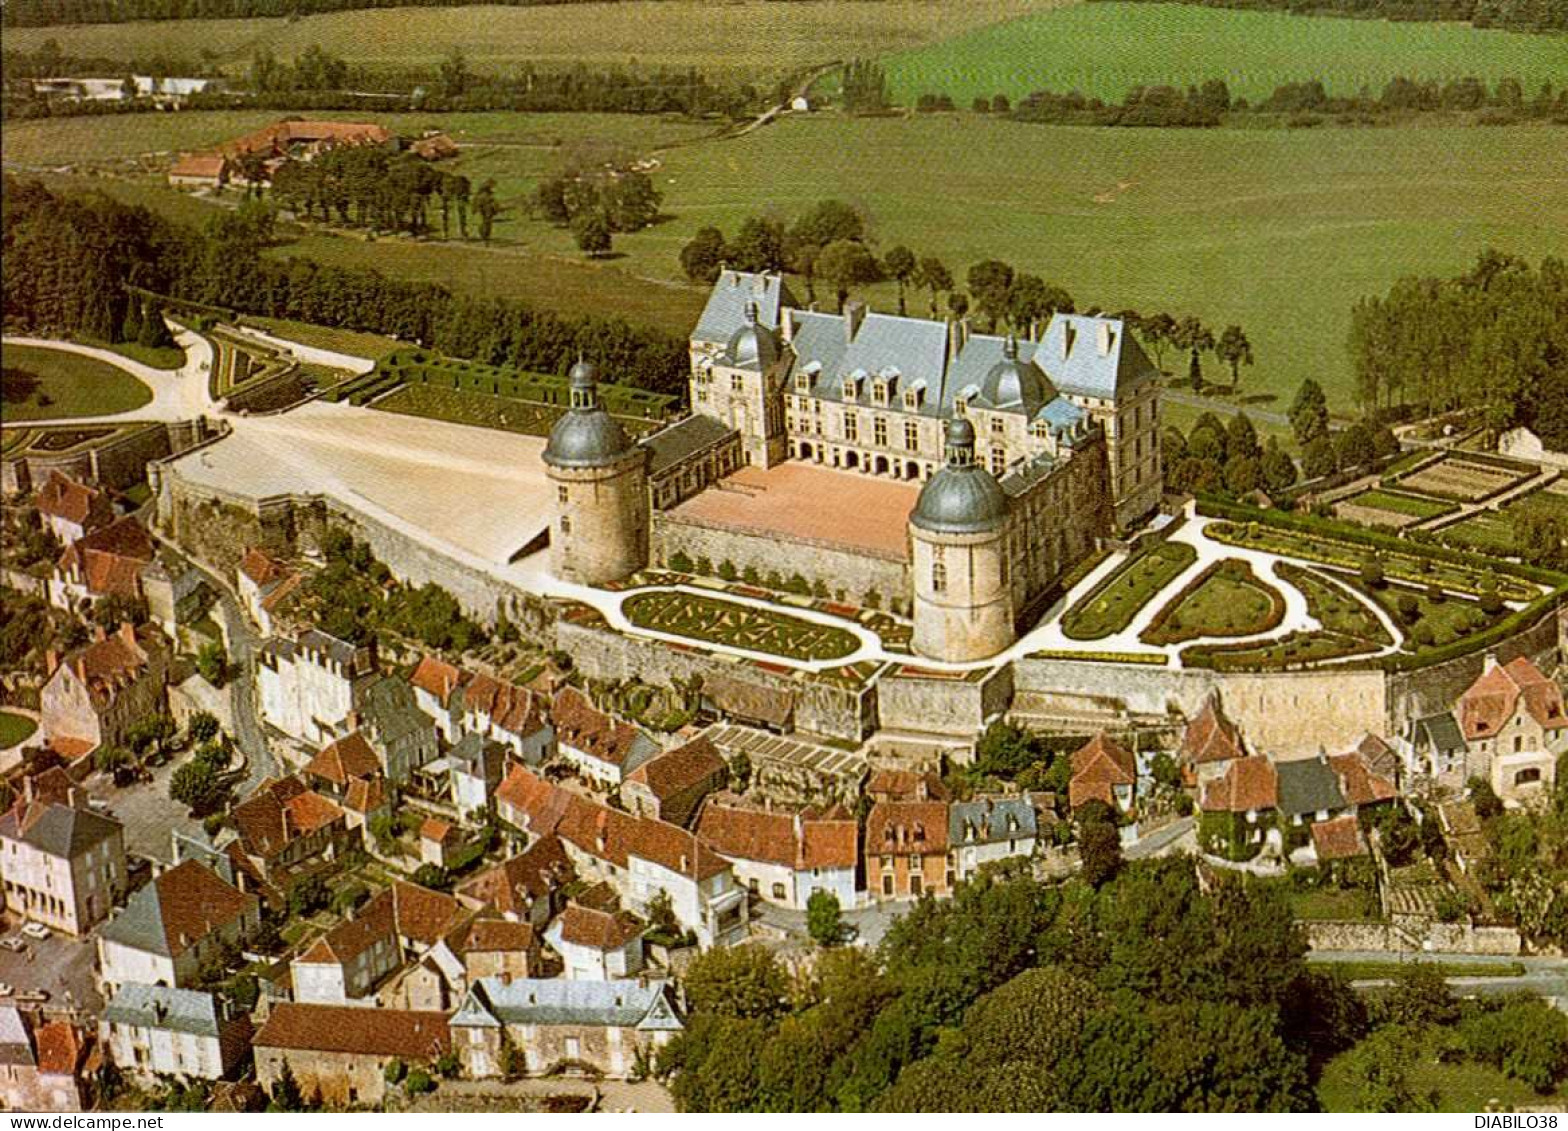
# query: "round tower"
[[963, 603], [600, 528]]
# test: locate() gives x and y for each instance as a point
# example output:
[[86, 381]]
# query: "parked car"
[[12, 943], [36, 931], [37, 996], [6, 989]]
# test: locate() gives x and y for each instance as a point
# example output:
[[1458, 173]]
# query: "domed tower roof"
[[963, 497], [1016, 384], [587, 436], [752, 346]]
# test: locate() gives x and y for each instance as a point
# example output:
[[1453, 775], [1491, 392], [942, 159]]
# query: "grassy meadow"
[[45, 384], [1102, 49], [751, 39]]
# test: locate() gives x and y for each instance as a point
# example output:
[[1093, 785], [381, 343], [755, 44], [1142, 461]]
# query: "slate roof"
[[990, 820], [671, 445], [725, 311], [160, 1007], [1308, 785], [57, 830], [416, 1035], [1440, 732], [619, 1003], [16, 1042], [1092, 356], [391, 711], [177, 910]]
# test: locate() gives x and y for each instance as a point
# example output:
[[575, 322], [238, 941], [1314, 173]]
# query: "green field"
[[1104, 49], [15, 729], [46, 384], [1412, 506], [755, 38], [1277, 230]]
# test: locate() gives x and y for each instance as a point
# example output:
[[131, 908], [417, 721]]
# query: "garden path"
[[177, 394]]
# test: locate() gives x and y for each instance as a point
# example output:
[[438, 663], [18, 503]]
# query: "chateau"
[[980, 468]]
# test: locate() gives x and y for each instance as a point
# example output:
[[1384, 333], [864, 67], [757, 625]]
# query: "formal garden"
[[713, 620], [1396, 509], [1470, 477], [1226, 599], [1497, 531], [1111, 605], [15, 729]]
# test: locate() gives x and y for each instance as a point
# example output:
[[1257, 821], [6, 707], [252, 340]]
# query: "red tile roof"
[[678, 770], [1249, 784], [437, 830], [261, 567], [579, 725], [436, 676], [491, 935], [113, 664], [278, 812], [608, 834], [109, 561], [194, 902], [61, 1048], [61, 497], [403, 911], [199, 165], [895, 827], [1210, 737], [601, 930], [344, 760], [514, 709], [1339, 839], [798, 841], [1492, 699], [1099, 766], [410, 1034], [365, 795], [905, 785], [511, 886], [1357, 781]]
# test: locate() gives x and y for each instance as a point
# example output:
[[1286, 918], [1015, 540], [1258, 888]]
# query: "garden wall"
[[856, 574], [1333, 934], [933, 705], [1462, 938]]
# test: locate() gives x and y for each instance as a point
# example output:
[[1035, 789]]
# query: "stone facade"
[[929, 703], [600, 529]]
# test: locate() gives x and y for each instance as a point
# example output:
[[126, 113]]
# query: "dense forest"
[[1519, 15], [68, 262], [1134, 987], [1493, 339]]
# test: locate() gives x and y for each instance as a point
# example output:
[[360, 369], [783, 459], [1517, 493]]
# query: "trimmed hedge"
[[1148, 659], [1241, 573]]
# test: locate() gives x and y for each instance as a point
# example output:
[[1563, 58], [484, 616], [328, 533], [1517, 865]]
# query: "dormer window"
[[849, 388], [879, 390], [911, 401], [802, 383]]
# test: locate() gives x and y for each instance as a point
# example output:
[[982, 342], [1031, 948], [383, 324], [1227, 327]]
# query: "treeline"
[[1494, 339], [1302, 103], [1518, 15], [371, 186], [47, 13], [69, 260]]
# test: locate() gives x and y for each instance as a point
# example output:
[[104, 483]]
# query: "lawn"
[[1227, 599], [42, 384], [1276, 230], [15, 729], [1334, 904], [351, 342], [754, 39], [159, 357], [1334, 607], [1410, 506], [1104, 49], [713, 620], [1110, 606]]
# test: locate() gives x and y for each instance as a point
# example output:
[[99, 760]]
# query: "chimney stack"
[[1069, 335], [1105, 337], [51, 661], [128, 634], [854, 315]]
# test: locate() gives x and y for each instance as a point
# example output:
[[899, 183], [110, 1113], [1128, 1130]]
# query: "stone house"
[[403, 736], [1338, 839], [1434, 747], [476, 765], [340, 1054], [1103, 770], [169, 927], [601, 749], [516, 717], [62, 864], [907, 850], [309, 685], [607, 1027], [156, 1031], [497, 948], [438, 839], [43, 1067], [526, 888], [596, 940], [106, 562], [988, 829], [348, 772], [283, 828], [265, 586], [71, 510], [1512, 716], [403, 924], [782, 857], [640, 857], [1209, 744], [435, 683], [1238, 806], [672, 785], [97, 693]]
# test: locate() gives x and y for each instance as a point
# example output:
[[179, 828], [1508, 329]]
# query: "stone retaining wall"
[[957, 708]]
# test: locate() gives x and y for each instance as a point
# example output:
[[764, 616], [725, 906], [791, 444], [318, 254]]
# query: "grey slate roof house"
[[605, 1026], [152, 1031], [1309, 790]]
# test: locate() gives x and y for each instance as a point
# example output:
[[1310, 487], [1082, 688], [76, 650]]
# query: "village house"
[[987, 829], [173, 924], [1103, 770], [1338, 840], [403, 924], [1209, 744], [438, 839], [476, 766], [907, 850], [71, 510], [607, 1027], [62, 864], [150, 1032], [515, 717], [308, 686], [339, 1055], [281, 828], [526, 888], [106, 562], [601, 749], [348, 772], [781, 857], [670, 786], [640, 857], [1238, 806], [596, 940], [265, 585], [403, 736], [44, 1067], [435, 683], [1434, 748], [1513, 717], [199, 170], [496, 948], [98, 692]]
